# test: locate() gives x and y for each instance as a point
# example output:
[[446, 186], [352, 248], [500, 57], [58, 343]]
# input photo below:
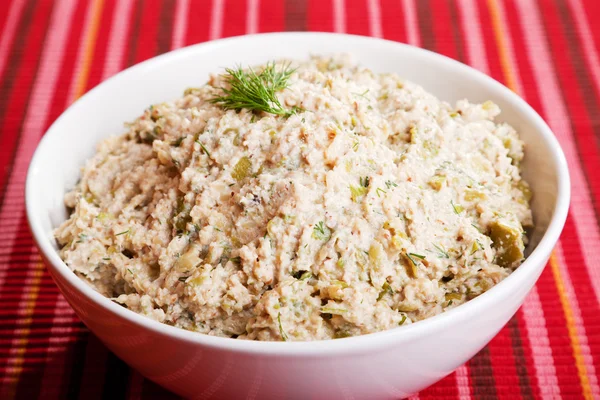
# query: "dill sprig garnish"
[[255, 91]]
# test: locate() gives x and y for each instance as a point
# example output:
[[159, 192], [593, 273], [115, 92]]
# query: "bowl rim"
[[358, 344]]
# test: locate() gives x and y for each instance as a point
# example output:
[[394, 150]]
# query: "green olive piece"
[[507, 241], [242, 169]]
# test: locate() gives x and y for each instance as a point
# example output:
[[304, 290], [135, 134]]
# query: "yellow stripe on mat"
[[499, 32]]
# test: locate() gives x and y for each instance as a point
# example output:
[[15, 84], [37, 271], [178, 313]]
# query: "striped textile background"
[[548, 51]]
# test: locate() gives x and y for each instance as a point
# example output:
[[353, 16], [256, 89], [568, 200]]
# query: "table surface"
[[548, 51]]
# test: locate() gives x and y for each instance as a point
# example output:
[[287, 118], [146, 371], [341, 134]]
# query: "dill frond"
[[255, 91]]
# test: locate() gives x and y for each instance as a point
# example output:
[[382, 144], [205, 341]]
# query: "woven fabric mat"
[[548, 51]]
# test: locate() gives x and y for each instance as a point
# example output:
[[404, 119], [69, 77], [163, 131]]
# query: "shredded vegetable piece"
[[356, 192], [333, 310]]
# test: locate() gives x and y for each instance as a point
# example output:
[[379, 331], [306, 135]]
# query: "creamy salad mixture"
[[366, 204]]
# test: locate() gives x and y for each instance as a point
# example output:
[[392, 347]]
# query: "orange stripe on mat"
[[566, 305], [90, 44], [499, 33]]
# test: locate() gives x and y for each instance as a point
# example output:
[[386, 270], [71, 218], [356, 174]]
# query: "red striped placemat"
[[548, 51]]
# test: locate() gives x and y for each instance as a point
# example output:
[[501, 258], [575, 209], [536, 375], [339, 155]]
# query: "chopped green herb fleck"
[[203, 148], [235, 260], [364, 181], [442, 253], [410, 257], [456, 207], [122, 233], [380, 190], [321, 231], [362, 94], [403, 320], [284, 337], [130, 271], [422, 257], [389, 184]]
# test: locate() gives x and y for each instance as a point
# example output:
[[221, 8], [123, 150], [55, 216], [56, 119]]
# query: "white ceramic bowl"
[[388, 364]]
